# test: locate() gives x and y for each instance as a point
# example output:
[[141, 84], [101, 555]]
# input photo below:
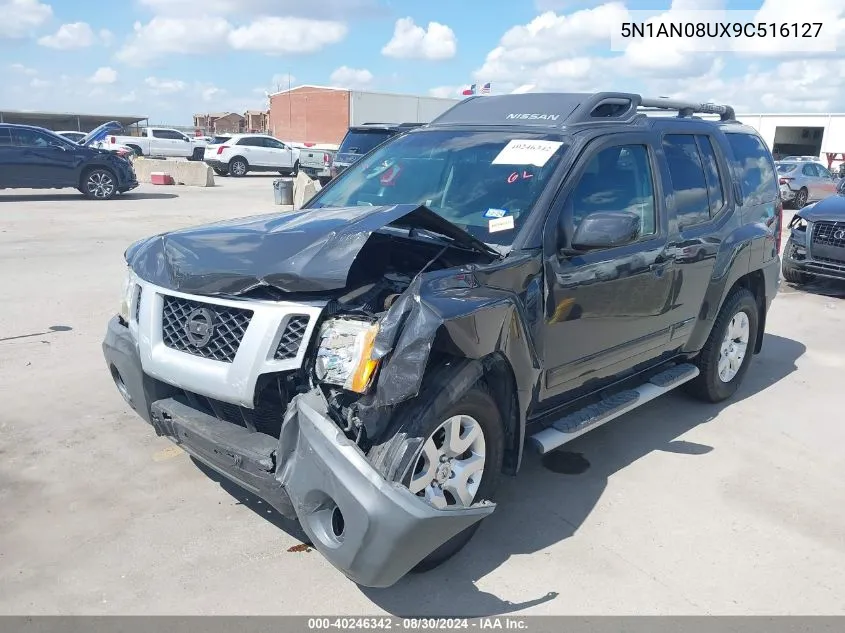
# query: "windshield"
[[483, 182], [360, 142], [219, 140]]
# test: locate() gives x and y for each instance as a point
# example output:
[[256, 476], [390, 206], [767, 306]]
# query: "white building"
[[801, 134]]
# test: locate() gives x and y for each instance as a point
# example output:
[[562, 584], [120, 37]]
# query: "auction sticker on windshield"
[[500, 224], [527, 152]]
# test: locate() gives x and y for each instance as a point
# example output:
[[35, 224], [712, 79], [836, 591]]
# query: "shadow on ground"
[[543, 506], [74, 196], [832, 288]]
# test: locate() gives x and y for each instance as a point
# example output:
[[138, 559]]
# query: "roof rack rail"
[[553, 110]]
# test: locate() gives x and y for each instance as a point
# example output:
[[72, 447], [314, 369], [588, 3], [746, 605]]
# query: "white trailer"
[[381, 107]]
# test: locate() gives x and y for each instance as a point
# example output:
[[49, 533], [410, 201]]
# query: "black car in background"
[[360, 139], [35, 158]]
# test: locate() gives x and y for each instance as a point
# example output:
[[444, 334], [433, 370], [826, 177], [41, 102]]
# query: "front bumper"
[[786, 193], [818, 261], [371, 529]]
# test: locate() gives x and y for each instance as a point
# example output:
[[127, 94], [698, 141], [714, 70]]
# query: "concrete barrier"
[[183, 172], [303, 189]]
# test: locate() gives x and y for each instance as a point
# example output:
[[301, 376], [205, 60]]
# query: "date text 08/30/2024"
[[414, 624]]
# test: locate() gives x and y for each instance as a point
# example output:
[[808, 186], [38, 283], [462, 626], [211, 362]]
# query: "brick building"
[[322, 114], [220, 122]]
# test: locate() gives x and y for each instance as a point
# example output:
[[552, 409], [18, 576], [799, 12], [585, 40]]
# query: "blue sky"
[[167, 59]]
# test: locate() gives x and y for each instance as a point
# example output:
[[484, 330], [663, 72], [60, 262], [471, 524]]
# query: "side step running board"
[[579, 422]]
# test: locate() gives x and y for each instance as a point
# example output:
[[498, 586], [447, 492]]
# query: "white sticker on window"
[[525, 152], [500, 224]]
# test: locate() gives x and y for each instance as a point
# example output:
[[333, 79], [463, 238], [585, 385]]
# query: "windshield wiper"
[[414, 231]]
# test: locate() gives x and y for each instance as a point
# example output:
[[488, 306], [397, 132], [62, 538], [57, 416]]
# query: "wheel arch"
[[92, 167]]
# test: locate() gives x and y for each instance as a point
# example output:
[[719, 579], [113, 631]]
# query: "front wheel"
[[457, 455], [99, 184], [725, 357]]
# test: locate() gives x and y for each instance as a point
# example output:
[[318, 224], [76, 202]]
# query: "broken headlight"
[[343, 357], [126, 294]]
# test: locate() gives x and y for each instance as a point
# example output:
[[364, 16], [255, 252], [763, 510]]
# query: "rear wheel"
[[238, 167], [99, 184], [725, 357], [457, 455], [800, 199], [220, 172]]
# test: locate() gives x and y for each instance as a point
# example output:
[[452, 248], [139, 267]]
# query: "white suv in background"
[[243, 153]]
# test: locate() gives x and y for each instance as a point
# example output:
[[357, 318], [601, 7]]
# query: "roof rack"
[[559, 109]]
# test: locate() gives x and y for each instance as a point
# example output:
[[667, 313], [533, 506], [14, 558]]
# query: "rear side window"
[[757, 177], [219, 140], [715, 188], [689, 185], [785, 169], [809, 170], [362, 142]]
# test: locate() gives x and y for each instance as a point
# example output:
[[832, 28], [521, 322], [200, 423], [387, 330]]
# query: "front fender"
[[474, 322]]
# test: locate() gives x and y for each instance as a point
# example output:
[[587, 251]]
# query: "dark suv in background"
[[360, 139], [35, 158], [518, 272]]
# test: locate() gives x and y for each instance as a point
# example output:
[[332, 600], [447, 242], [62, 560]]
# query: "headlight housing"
[[343, 357], [126, 294]]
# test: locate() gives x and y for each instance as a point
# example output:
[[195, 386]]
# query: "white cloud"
[[447, 91], [104, 75], [210, 93], [332, 9], [106, 37], [20, 68], [18, 18], [287, 35], [164, 86], [282, 81], [38, 83], [163, 36], [437, 42], [345, 77], [70, 36]]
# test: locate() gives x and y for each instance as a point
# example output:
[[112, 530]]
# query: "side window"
[[31, 138], [715, 187], [689, 185], [251, 141], [616, 179], [273, 143], [809, 170], [5, 137], [173, 135], [754, 164], [823, 172]]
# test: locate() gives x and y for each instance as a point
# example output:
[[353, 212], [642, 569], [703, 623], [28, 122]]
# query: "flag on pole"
[[485, 89], [469, 91]]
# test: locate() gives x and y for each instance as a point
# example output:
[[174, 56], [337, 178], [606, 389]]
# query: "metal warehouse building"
[[65, 120], [801, 134], [322, 115]]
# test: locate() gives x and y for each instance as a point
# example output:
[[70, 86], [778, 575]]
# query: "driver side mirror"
[[606, 229]]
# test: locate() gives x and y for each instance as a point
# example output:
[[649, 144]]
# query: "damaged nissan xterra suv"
[[523, 269]]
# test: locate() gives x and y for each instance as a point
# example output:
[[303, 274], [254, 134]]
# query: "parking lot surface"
[[676, 508]]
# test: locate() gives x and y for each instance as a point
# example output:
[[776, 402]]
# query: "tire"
[[295, 171], [198, 154], [99, 183], [220, 172], [800, 199], [136, 150], [708, 385], [417, 422], [238, 167], [795, 276]]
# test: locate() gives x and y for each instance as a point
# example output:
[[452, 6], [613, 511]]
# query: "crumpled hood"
[[310, 250], [831, 208]]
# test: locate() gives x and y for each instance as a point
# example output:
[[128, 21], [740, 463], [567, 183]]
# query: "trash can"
[[283, 191]]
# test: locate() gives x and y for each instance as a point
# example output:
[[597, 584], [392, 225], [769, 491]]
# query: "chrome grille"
[[292, 337], [229, 327], [824, 232]]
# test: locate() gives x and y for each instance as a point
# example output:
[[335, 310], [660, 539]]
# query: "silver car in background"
[[803, 181]]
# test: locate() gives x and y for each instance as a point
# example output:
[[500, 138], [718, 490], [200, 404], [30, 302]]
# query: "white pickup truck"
[[161, 142]]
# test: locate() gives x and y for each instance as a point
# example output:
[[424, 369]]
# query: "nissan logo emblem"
[[199, 328], [839, 235]]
